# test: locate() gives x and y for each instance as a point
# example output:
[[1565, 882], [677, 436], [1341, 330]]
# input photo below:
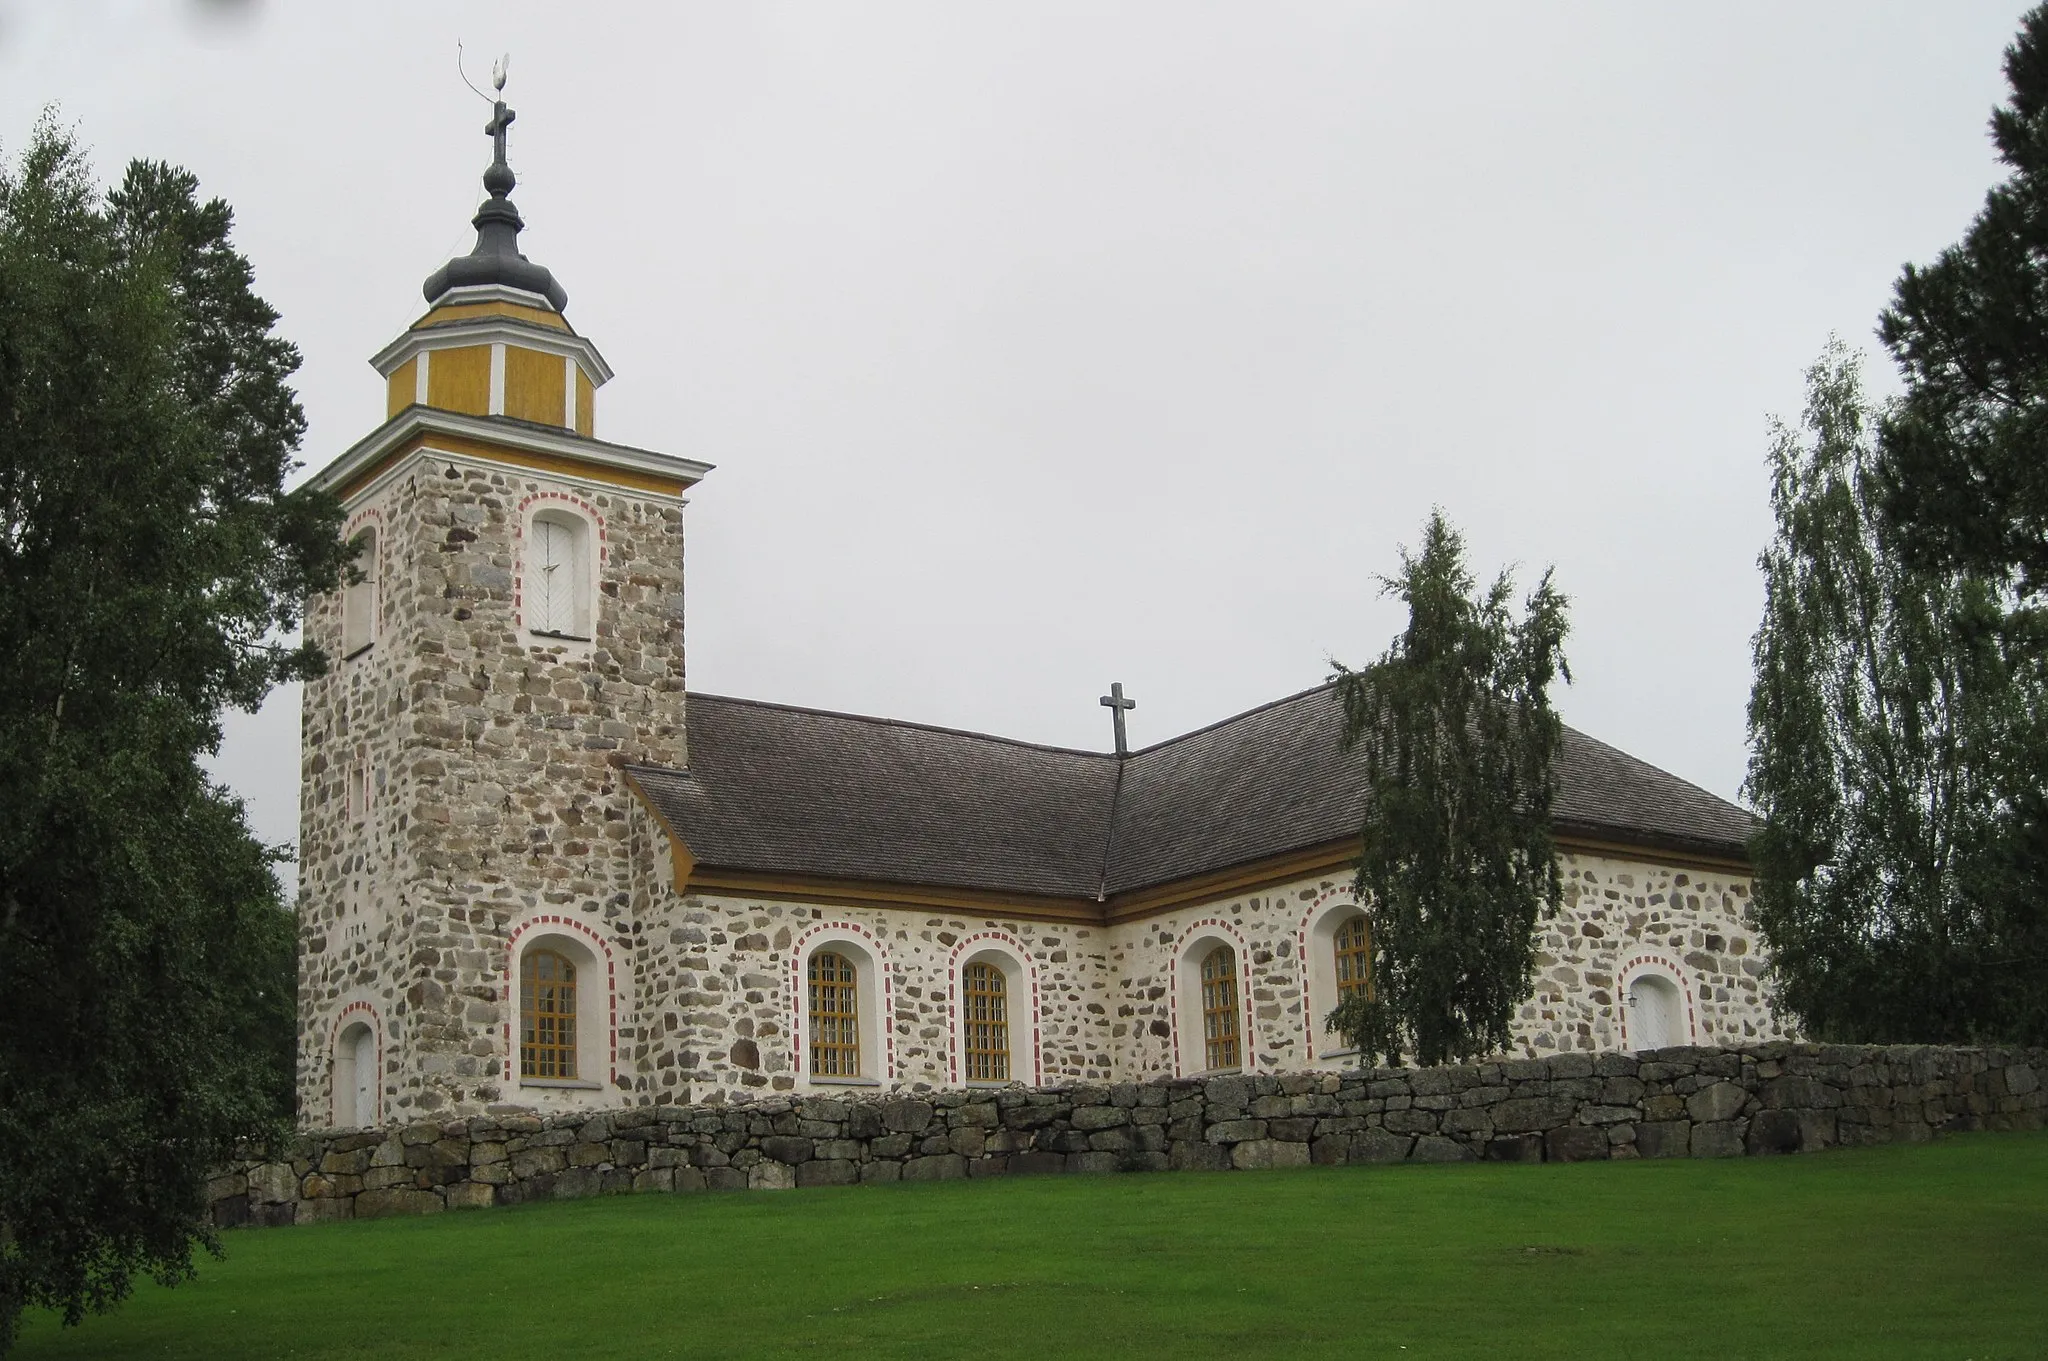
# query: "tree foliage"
[[148, 552], [1456, 859], [1965, 455], [1893, 716], [1962, 484]]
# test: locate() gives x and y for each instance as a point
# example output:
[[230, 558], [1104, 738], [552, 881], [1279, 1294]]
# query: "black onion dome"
[[496, 258]]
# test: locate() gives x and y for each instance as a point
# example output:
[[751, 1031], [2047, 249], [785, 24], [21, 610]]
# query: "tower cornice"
[[513, 442], [493, 330]]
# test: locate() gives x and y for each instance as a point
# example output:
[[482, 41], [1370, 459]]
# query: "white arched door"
[[1655, 1013], [355, 1079], [366, 1077]]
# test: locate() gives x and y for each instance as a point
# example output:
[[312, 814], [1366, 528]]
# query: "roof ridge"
[[1116, 798], [1232, 718], [875, 719], [1228, 719], [879, 721]]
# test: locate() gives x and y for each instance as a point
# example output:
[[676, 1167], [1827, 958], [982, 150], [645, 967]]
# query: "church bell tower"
[[514, 639]]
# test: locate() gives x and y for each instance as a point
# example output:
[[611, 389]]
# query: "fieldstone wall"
[[492, 755], [1618, 916], [738, 962], [1776, 1097], [715, 976]]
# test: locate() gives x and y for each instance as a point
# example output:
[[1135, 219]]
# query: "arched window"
[[1353, 946], [355, 1078], [985, 1006], [561, 1000], [1336, 965], [1656, 1013], [359, 598], [547, 1015], [835, 1015], [1220, 1040], [557, 593]]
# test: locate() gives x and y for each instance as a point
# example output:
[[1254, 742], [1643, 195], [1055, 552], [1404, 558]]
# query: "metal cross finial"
[[501, 116], [1115, 702], [501, 119]]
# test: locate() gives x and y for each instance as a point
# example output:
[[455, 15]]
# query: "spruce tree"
[[149, 556], [1456, 859]]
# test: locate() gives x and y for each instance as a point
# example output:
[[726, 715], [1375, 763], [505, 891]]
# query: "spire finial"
[[499, 179], [496, 258]]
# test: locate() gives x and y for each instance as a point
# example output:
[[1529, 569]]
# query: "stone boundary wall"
[[1776, 1097]]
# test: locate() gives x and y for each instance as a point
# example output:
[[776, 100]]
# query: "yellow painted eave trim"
[[558, 465], [1135, 904], [1151, 901], [911, 897]]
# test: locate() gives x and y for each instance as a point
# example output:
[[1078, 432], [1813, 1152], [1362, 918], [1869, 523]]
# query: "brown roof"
[[778, 789]]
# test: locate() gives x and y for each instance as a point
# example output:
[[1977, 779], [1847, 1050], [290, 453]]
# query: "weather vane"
[[499, 70], [499, 178]]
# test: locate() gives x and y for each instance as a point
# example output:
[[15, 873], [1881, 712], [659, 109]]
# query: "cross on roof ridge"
[[1115, 702]]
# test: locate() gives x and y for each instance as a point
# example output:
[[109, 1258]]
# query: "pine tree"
[[1964, 457], [1456, 858], [148, 556], [1892, 716]]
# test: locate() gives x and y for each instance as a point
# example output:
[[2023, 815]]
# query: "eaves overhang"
[[1671, 848], [419, 425], [1338, 858]]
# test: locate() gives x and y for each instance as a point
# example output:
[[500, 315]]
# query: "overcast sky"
[[1040, 346]]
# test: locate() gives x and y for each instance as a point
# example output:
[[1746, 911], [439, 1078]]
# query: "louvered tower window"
[[557, 580], [986, 1012], [835, 1016], [547, 1015], [1220, 1045], [359, 598]]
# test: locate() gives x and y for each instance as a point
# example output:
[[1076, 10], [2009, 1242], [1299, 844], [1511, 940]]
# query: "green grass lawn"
[[1937, 1250]]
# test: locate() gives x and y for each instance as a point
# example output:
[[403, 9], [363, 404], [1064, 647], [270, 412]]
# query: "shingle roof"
[[799, 791], [778, 789]]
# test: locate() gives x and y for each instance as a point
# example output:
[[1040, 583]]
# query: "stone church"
[[538, 872]]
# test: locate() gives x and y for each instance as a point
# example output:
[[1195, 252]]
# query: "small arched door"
[[355, 1078], [1656, 1014], [366, 1077]]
